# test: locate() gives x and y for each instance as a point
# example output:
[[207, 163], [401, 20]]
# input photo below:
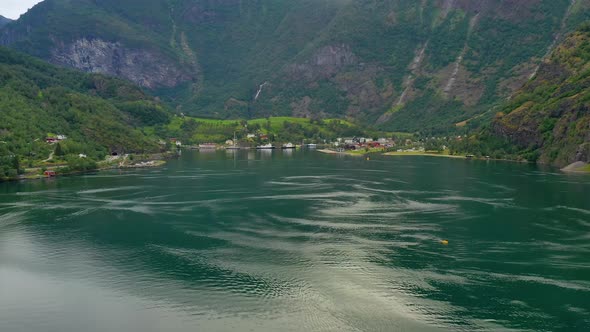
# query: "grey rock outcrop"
[[148, 69], [324, 63]]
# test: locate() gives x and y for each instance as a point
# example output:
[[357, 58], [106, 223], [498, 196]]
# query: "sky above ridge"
[[14, 8]]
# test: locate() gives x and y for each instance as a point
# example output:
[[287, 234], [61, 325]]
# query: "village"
[[396, 144], [391, 144]]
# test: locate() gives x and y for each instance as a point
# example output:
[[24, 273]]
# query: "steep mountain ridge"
[[401, 64], [549, 119], [4, 21]]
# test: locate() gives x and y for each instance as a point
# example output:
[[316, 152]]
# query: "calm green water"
[[274, 241]]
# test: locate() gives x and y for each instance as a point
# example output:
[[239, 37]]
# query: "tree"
[[58, 150], [16, 165]]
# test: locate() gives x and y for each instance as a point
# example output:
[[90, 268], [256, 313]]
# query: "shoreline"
[[343, 153], [156, 163], [464, 157], [429, 154], [159, 160], [579, 167], [361, 153], [155, 160], [426, 154]]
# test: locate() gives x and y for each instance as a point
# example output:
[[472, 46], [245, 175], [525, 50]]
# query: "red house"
[[49, 174]]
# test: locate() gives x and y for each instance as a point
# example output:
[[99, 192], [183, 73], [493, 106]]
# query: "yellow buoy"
[[444, 242]]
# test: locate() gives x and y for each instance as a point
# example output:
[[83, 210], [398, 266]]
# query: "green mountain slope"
[[548, 120], [99, 115], [402, 64]]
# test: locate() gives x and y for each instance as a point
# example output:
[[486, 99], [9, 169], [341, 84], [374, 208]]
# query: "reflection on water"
[[299, 241]]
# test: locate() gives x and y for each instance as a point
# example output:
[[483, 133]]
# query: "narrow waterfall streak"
[[414, 68], [451, 82], [260, 90]]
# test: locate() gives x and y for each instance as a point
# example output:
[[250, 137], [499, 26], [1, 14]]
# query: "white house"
[[349, 141]]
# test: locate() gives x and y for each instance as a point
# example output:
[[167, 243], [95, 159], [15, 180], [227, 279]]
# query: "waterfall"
[[260, 90], [414, 71], [453, 78]]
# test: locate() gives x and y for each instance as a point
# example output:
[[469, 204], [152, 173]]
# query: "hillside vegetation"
[[548, 120], [99, 115], [400, 64], [102, 116]]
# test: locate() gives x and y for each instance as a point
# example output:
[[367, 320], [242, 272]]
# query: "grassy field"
[[276, 123], [288, 129]]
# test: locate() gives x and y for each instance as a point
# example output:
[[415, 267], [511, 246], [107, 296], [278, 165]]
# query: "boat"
[[265, 147], [234, 146], [288, 146], [312, 146], [207, 146]]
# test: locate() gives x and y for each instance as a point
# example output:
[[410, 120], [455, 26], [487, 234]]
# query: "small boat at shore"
[[288, 146], [234, 146], [265, 147], [207, 146], [312, 146]]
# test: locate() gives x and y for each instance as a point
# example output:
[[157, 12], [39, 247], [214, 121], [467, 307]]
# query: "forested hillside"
[[548, 120], [97, 114], [400, 64]]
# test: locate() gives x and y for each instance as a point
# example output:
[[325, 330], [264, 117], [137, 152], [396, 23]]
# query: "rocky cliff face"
[[323, 63], [146, 68], [402, 64]]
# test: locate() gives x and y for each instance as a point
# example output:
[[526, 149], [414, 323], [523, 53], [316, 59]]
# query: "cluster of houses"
[[58, 138], [174, 141], [349, 143], [253, 136], [361, 143], [55, 139]]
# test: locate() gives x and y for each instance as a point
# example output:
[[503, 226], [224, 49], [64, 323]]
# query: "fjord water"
[[298, 241]]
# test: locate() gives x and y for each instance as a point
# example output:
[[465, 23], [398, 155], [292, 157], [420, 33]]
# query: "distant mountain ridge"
[[4, 21], [400, 64]]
